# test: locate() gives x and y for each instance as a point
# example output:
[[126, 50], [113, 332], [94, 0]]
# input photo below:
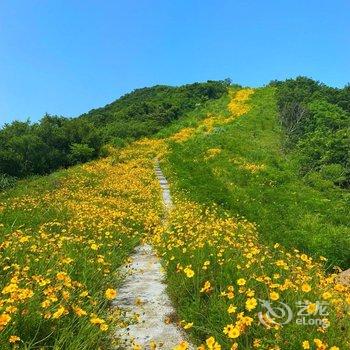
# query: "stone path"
[[344, 278], [143, 296]]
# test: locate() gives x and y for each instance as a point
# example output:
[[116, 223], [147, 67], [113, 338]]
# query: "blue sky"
[[66, 57]]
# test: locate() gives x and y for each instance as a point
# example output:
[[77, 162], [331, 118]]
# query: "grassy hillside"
[[248, 224], [227, 162], [241, 167], [62, 239]]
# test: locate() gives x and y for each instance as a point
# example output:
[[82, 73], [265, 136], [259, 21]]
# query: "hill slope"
[[259, 217], [55, 142], [63, 237], [241, 167]]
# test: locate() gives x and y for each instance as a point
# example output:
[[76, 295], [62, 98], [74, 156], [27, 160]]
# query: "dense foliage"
[[57, 142], [145, 111], [39, 148], [316, 123], [6, 181]]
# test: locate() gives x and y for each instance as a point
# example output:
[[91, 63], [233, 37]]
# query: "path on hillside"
[[143, 293]]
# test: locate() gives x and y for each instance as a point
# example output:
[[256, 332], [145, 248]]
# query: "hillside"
[[260, 185], [241, 167], [56, 142]]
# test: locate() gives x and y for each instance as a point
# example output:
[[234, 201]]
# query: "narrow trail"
[[143, 296]]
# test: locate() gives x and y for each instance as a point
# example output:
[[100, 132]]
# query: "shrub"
[[316, 122], [80, 153], [6, 181], [334, 172]]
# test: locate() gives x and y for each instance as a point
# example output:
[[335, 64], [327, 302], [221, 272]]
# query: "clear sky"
[[66, 56]]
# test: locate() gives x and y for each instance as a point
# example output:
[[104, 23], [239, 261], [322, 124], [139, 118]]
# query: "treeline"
[[316, 124], [55, 142], [52, 143]]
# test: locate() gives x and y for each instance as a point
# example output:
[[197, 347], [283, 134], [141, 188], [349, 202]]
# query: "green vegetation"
[[6, 181], [253, 177], [57, 142], [248, 169], [316, 124], [40, 148]]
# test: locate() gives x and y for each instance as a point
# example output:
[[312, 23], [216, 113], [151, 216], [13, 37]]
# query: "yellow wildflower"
[[306, 288], [110, 293], [274, 296], [251, 304], [241, 281], [189, 272], [306, 345], [14, 339]]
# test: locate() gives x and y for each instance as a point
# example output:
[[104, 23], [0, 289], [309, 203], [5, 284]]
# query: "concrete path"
[[143, 296]]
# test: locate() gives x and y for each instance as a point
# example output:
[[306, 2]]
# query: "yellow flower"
[[251, 304], [46, 303], [104, 327], [84, 294], [234, 333], [231, 331], [311, 308], [11, 309], [188, 325], [182, 346], [14, 339], [256, 343], [210, 342], [334, 348], [4, 320], [189, 272], [206, 288], [306, 345], [241, 282], [110, 293], [304, 257], [306, 288], [231, 309], [79, 311], [94, 246], [96, 320], [326, 295], [319, 343], [60, 311], [61, 276], [274, 296]]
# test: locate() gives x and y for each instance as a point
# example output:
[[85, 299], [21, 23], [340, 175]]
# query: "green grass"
[[309, 215]]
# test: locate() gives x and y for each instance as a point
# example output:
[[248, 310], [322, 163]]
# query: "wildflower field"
[[230, 243], [221, 267], [62, 239]]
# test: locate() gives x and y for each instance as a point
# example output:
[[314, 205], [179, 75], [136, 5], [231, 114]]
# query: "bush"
[[316, 122], [80, 153], [6, 181]]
